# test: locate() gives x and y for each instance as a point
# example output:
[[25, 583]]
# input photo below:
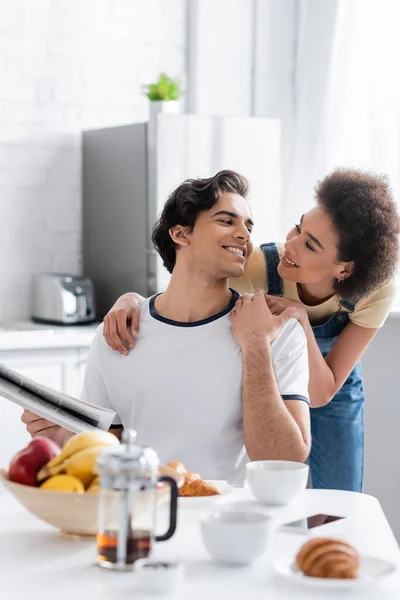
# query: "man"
[[213, 379]]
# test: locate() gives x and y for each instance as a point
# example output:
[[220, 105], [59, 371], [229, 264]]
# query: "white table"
[[37, 563]]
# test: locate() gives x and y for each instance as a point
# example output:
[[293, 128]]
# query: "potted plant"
[[164, 95]]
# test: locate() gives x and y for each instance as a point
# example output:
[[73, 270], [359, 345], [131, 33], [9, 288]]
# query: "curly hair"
[[185, 203], [365, 217]]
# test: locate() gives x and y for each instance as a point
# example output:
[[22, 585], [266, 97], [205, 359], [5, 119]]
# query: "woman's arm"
[[327, 375], [125, 312]]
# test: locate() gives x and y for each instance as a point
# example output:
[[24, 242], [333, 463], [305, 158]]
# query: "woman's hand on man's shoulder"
[[121, 323]]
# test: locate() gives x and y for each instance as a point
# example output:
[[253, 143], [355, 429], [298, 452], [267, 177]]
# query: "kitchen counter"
[[28, 335]]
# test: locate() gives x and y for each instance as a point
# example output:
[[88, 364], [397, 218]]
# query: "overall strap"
[[347, 305], [274, 281]]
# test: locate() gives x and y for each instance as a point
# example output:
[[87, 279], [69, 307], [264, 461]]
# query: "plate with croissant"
[[334, 563], [195, 487]]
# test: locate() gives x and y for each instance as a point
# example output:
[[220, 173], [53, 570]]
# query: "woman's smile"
[[289, 263]]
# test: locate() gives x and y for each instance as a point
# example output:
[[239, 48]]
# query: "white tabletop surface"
[[36, 562]]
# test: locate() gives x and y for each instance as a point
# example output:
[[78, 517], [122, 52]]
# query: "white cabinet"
[[13, 436], [46, 373], [74, 373], [60, 369]]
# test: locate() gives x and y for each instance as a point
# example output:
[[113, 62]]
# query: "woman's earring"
[[340, 280]]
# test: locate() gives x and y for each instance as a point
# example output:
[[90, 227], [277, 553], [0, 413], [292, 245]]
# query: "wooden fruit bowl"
[[76, 514]]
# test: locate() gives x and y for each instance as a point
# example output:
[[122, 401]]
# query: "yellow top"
[[370, 311]]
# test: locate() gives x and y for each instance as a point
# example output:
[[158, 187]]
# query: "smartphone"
[[307, 523]]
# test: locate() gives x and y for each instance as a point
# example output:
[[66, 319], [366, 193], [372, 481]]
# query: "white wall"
[[242, 57], [242, 60], [67, 65], [382, 420], [220, 57], [275, 77]]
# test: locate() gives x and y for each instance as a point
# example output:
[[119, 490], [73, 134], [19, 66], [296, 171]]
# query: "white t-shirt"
[[180, 388]]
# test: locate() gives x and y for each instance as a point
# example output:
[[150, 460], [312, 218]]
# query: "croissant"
[[329, 558], [178, 466], [195, 486]]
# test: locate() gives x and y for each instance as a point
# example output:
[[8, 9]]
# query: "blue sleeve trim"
[[295, 397]]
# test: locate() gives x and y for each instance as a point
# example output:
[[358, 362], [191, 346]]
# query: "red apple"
[[27, 463]]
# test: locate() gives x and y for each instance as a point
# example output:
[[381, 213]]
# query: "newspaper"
[[47, 403]]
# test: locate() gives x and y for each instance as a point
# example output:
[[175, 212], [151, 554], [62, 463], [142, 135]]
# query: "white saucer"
[[223, 487], [372, 572]]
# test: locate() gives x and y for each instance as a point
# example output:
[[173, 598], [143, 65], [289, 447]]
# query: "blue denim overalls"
[[337, 453]]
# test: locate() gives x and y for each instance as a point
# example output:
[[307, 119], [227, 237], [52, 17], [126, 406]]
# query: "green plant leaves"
[[165, 88]]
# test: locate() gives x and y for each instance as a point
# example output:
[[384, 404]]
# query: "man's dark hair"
[[185, 203], [367, 223]]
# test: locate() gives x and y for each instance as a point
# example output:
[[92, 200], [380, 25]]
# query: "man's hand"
[[253, 322], [36, 426]]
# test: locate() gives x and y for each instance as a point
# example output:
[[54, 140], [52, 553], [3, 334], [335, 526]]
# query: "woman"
[[337, 267]]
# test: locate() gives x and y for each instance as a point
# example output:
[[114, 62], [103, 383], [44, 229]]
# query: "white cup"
[[158, 576], [276, 482], [235, 537]]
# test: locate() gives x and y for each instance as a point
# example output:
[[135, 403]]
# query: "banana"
[[94, 486], [82, 464], [80, 441]]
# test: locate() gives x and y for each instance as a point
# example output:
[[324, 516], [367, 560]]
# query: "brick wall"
[[66, 65]]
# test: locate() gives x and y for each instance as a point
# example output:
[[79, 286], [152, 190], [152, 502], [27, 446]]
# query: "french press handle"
[[173, 508]]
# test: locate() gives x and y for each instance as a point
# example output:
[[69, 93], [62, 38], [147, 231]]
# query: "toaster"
[[62, 299]]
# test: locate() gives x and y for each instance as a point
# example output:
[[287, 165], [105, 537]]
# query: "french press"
[[127, 503]]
